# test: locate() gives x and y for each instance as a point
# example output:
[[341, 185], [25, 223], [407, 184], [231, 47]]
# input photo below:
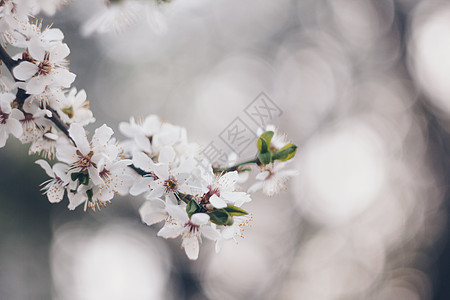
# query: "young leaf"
[[235, 211], [192, 207], [265, 158], [263, 142], [285, 153], [221, 217]]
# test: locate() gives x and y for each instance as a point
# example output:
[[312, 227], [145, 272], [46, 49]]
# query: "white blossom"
[[9, 119], [190, 230], [47, 69], [272, 179]]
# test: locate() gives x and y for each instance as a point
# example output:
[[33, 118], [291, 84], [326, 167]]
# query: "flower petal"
[[58, 53], [191, 246], [142, 161], [166, 155], [15, 127], [44, 165], [25, 70], [78, 134], [170, 231], [217, 202], [210, 233], [199, 219], [153, 211]]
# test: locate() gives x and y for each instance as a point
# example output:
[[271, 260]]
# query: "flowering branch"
[[155, 160]]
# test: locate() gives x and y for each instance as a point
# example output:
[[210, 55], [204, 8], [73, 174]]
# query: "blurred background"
[[364, 86]]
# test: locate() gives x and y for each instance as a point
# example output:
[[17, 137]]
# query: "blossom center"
[[44, 67], [213, 191], [104, 174], [171, 184], [84, 161], [192, 227]]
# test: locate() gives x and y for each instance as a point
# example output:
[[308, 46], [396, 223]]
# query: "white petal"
[[102, 135], [66, 153], [79, 136], [60, 171], [36, 49], [199, 219], [217, 202], [3, 137], [255, 187], [210, 233], [178, 213], [166, 155], [141, 186], [55, 193], [93, 174], [58, 53], [142, 161], [219, 244], [63, 77], [170, 231], [25, 70], [152, 211], [15, 127], [227, 181], [37, 85], [156, 192], [142, 142], [44, 165], [263, 175], [52, 34], [191, 247], [161, 170]]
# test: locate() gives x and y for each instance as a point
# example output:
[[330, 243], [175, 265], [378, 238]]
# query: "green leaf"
[[221, 217], [285, 153], [192, 207], [74, 176], [83, 178], [235, 211], [265, 158], [263, 142]]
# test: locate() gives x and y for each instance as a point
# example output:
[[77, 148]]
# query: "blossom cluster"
[[192, 198]]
